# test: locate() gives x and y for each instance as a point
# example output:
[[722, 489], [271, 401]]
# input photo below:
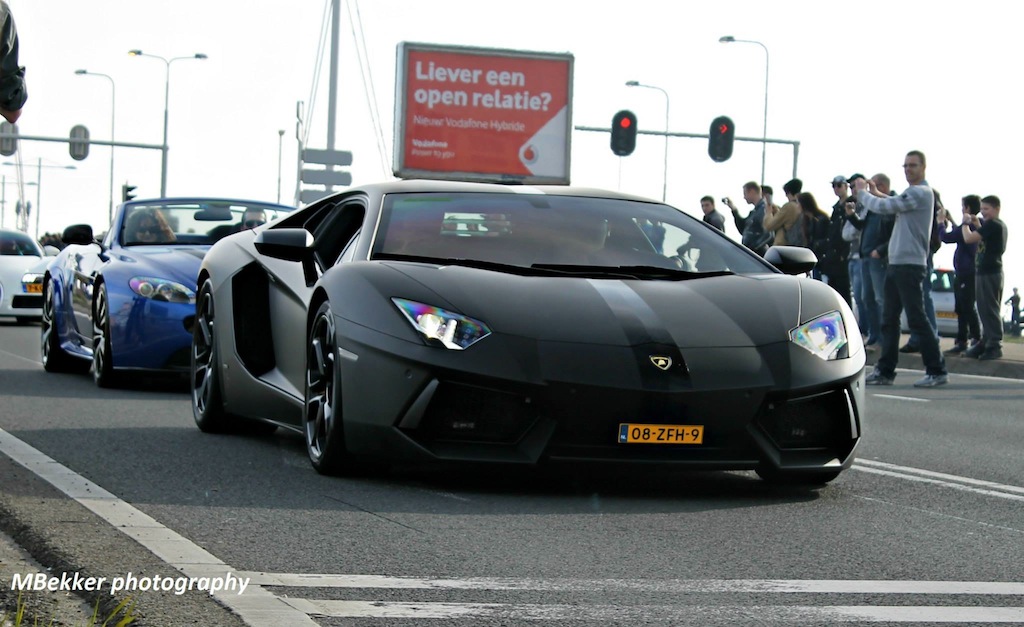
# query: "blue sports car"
[[127, 302]]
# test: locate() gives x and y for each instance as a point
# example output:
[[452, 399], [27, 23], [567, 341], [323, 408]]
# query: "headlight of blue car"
[[824, 336], [454, 331], [162, 290]]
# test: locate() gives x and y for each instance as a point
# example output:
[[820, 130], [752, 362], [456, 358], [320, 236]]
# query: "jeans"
[[904, 292], [857, 285], [990, 301], [967, 321], [929, 309], [873, 288]]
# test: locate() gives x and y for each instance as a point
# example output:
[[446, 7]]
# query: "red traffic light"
[[720, 136], [623, 133]]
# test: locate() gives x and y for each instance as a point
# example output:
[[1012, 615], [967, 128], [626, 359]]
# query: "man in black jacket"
[[835, 257], [12, 75]]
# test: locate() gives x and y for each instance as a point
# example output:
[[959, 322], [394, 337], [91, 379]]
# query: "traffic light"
[[126, 192], [720, 138], [623, 133]]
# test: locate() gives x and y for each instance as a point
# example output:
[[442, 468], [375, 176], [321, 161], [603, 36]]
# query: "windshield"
[[192, 222], [550, 231], [18, 244]]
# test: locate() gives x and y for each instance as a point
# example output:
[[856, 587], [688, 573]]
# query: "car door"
[[84, 264]]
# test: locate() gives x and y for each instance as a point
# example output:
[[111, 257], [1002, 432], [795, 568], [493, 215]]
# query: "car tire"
[[321, 411], [54, 358], [796, 478], [204, 369], [103, 373]]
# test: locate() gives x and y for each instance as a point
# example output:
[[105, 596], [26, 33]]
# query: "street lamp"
[[664, 178], [728, 39], [167, 92], [110, 210]]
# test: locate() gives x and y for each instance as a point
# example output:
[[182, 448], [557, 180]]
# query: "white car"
[[22, 264]]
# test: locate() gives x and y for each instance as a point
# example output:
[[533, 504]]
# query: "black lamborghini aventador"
[[428, 320]]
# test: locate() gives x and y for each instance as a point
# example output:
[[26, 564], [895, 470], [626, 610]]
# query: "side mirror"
[[289, 245], [791, 259], [78, 234]]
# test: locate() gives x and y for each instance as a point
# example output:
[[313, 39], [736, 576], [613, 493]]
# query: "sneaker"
[[956, 350], [992, 353], [877, 378], [908, 348], [975, 351], [931, 381]]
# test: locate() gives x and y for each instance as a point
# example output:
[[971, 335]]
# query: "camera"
[[725, 200]]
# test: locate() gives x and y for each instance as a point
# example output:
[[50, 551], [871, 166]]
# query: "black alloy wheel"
[[103, 373], [207, 405], [52, 355], [321, 413]]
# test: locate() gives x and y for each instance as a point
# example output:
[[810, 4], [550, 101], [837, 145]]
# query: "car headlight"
[[824, 336], [162, 290], [452, 330]]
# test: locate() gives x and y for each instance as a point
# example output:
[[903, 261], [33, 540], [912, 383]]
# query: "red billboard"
[[480, 114]]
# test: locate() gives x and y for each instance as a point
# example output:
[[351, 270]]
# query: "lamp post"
[[110, 210], [280, 141], [664, 178], [167, 94], [728, 39]]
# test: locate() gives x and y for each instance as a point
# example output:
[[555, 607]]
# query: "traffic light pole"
[[760, 140]]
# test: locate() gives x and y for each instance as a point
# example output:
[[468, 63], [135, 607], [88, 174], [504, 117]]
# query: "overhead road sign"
[[327, 157]]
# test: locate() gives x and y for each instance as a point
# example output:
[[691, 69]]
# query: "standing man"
[[751, 228], [908, 254], [834, 258], [968, 327], [851, 234], [875, 231], [1014, 303], [988, 279], [12, 75], [711, 215]]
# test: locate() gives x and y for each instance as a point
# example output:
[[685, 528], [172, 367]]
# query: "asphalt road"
[[928, 526]]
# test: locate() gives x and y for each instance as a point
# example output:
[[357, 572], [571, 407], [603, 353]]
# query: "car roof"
[[428, 185]]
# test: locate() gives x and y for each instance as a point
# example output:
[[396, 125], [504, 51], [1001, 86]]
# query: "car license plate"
[[34, 288], [633, 433], [945, 314]]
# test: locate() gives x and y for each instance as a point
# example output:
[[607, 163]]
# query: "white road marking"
[[257, 607], [920, 475], [669, 586], [31, 361], [821, 615], [903, 398]]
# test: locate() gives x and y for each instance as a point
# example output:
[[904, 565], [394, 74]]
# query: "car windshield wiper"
[[634, 272], [469, 263]]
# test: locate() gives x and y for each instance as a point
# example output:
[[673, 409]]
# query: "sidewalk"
[[1011, 366]]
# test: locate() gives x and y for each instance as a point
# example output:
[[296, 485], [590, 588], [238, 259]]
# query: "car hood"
[[701, 312], [178, 263]]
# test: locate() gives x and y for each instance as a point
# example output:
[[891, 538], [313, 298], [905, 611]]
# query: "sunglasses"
[[149, 228], [251, 224], [838, 184]]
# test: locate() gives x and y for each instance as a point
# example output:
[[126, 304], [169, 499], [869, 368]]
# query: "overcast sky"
[[857, 85]]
